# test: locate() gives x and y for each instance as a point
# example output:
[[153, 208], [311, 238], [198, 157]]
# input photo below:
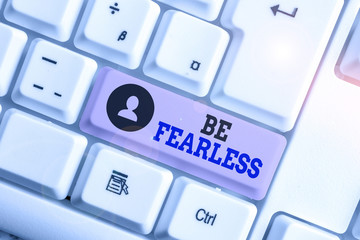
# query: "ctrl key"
[[195, 211]]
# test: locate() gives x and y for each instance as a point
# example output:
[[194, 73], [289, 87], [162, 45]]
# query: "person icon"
[[131, 104], [130, 107]]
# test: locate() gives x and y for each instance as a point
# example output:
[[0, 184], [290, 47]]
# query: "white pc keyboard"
[[179, 119]]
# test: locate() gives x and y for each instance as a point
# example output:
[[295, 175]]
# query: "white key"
[[4, 235], [119, 30], [54, 81], [186, 52], [356, 228], [206, 9], [55, 18], [350, 64], [286, 228], [268, 70], [38, 154], [12, 42], [195, 211], [121, 188], [31, 216], [318, 179]]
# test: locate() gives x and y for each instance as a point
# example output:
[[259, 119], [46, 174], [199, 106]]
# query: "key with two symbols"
[[54, 81], [117, 30]]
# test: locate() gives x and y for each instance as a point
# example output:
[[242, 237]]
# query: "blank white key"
[[121, 188], [196, 211], [118, 31], [186, 52], [54, 81], [350, 64], [286, 228], [356, 228], [269, 69], [206, 9], [12, 42], [55, 18], [31, 216], [38, 154], [4, 235]]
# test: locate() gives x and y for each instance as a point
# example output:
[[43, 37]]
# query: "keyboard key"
[[267, 73], [182, 133], [129, 25], [38, 154], [54, 18], [186, 52], [54, 81], [318, 179], [12, 42], [5, 236], [196, 211], [350, 64], [206, 9], [121, 188], [32, 216], [356, 228], [286, 228]]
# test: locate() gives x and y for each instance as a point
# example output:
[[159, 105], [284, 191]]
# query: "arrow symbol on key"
[[275, 10]]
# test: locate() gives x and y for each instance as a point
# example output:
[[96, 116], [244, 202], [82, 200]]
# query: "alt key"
[[195, 211]]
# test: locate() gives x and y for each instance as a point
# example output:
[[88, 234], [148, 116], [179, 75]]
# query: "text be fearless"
[[205, 149]]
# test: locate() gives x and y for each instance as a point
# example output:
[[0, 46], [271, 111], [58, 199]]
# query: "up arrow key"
[[275, 10]]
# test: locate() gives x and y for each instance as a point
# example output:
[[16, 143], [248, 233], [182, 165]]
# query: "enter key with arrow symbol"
[[275, 10]]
